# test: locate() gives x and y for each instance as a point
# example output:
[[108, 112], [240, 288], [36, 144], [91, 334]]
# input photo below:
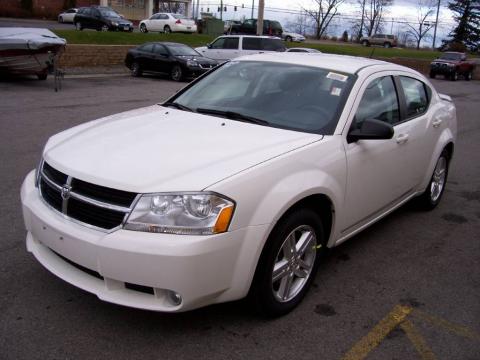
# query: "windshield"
[[283, 95], [109, 13], [182, 50], [451, 56]]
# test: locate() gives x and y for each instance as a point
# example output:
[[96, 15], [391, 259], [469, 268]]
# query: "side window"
[[147, 48], [252, 43], [163, 17], [218, 44], [231, 43], [249, 23], [160, 49], [273, 45], [379, 102], [416, 97]]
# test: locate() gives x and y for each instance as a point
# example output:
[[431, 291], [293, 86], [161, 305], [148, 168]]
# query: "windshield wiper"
[[177, 106], [232, 115]]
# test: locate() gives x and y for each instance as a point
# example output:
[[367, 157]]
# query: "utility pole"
[[253, 4], [436, 22], [198, 9], [261, 7], [221, 9]]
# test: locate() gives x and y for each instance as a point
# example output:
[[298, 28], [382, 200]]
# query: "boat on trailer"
[[29, 51]]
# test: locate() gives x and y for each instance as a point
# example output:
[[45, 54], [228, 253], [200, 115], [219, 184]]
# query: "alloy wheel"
[[438, 179], [294, 263]]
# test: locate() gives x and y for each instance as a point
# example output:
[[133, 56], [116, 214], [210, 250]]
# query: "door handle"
[[402, 138], [436, 122]]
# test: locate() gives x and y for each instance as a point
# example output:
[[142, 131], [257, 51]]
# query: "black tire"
[[143, 28], [136, 69], [104, 28], [79, 26], [176, 74], [288, 38], [454, 76], [365, 43], [433, 194], [265, 291], [167, 29], [42, 76], [432, 75], [60, 19], [387, 45], [468, 76]]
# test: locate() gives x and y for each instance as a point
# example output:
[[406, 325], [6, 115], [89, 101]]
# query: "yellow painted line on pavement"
[[451, 327], [417, 340], [362, 348]]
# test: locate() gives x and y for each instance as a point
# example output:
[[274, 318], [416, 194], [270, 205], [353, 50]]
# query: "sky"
[[287, 12]]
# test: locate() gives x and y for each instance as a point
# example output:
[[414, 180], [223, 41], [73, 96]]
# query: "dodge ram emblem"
[[66, 191]]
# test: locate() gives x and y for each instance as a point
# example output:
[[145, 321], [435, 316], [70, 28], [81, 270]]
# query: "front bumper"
[[139, 269], [442, 69]]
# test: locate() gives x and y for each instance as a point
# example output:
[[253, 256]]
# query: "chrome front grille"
[[92, 205]]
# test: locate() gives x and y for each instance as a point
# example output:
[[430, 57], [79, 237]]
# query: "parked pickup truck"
[[249, 26], [451, 65]]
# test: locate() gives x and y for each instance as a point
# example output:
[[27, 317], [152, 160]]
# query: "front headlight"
[[114, 23], [192, 63], [182, 213]]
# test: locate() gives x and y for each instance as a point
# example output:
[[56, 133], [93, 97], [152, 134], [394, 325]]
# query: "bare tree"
[[420, 29], [325, 11], [371, 17]]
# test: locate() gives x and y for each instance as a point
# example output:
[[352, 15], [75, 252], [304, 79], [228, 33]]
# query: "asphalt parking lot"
[[406, 288]]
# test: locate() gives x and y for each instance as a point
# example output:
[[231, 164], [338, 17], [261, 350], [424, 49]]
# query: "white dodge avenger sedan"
[[239, 183]]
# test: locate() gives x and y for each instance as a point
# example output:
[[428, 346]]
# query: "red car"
[[451, 65]]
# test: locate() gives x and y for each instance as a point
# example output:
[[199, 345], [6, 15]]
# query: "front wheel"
[[365, 43], [288, 263], [143, 28], [468, 76], [434, 191], [104, 28], [288, 38], [136, 69], [432, 75], [176, 74], [454, 76], [60, 19], [78, 26], [387, 45]]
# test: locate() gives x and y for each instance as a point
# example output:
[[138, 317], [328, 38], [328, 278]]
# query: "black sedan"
[[178, 60]]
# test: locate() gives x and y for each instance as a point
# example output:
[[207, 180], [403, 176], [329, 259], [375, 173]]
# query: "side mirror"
[[371, 129], [209, 46]]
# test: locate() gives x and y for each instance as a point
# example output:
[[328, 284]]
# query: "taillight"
[[178, 21]]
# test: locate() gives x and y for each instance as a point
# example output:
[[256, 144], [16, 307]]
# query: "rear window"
[[273, 45], [251, 43], [275, 25]]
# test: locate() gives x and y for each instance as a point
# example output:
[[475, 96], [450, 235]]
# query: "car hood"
[[158, 149], [198, 58], [444, 61], [119, 20]]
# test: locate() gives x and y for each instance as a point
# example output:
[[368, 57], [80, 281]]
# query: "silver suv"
[[386, 41]]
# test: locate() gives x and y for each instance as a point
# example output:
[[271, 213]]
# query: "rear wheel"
[[78, 26], [167, 29], [365, 43], [288, 263], [104, 27], [288, 38], [176, 74], [434, 191], [60, 19], [387, 45], [468, 76], [136, 69], [143, 28], [42, 76]]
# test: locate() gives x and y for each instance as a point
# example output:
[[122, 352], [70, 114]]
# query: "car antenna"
[[371, 54]]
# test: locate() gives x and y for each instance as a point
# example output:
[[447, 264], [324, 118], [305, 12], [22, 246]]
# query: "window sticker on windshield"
[[336, 76], [336, 91]]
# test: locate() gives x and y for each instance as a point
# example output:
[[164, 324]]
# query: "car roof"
[[251, 36], [342, 63]]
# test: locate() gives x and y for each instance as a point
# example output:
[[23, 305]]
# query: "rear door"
[[252, 45], [161, 61]]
